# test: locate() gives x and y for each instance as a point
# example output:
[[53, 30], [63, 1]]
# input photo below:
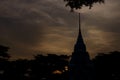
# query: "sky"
[[31, 27]]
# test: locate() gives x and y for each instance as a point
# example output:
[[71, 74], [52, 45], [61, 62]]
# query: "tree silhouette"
[[78, 4], [55, 67], [42, 67], [4, 56], [107, 66], [49, 67], [17, 70], [3, 52]]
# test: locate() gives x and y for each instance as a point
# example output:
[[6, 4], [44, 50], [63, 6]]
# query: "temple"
[[80, 66]]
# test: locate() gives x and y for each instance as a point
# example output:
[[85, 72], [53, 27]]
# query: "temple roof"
[[80, 54]]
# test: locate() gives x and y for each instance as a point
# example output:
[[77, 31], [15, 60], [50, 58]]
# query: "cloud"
[[30, 26], [101, 26]]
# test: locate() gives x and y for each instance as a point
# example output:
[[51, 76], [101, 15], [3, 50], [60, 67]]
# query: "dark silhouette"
[[78, 4], [55, 67], [3, 52], [50, 67], [107, 66], [16, 70], [42, 67], [81, 67], [4, 56]]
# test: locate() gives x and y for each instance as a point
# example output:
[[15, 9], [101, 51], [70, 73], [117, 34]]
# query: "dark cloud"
[[101, 26], [30, 26]]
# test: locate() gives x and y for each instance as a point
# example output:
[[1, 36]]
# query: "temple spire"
[[80, 42], [80, 63], [79, 24]]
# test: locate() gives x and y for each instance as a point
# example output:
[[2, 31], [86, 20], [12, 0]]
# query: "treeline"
[[55, 67]]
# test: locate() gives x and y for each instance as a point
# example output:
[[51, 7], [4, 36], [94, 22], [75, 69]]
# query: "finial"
[[79, 24]]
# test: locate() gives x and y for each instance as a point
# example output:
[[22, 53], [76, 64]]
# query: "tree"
[[49, 67], [78, 4], [107, 66], [3, 52], [4, 56]]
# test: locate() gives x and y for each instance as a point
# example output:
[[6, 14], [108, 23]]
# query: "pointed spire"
[[79, 24], [80, 63], [80, 43], [80, 54]]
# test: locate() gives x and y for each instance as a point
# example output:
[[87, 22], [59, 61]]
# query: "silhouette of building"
[[80, 66]]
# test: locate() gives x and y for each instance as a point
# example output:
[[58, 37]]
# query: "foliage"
[[107, 66], [78, 4], [55, 67], [3, 52], [42, 67]]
